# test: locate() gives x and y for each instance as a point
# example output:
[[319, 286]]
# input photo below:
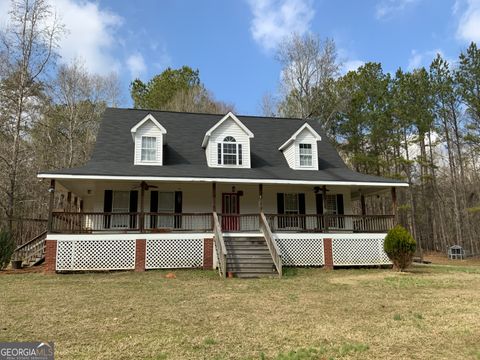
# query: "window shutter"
[[107, 207], [340, 208], [240, 154], [280, 204], [133, 208], [301, 203], [319, 203], [153, 208], [178, 209], [219, 153]]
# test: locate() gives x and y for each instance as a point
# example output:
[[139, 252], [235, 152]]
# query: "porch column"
[[69, 201], [394, 203], [325, 214], [260, 197], [51, 190], [214, 197], [142, 202], [362, 203]]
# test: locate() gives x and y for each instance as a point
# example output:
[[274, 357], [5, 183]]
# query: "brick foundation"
[[50, 256], [207, 254], [140, 252], [328, 253]]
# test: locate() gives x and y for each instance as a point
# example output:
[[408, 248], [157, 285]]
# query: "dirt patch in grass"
[[310, 314]]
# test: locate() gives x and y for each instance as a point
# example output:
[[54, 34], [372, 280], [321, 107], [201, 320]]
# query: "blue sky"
[[233, 42]]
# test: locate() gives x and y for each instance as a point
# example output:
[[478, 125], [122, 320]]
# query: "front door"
[[230, 211]]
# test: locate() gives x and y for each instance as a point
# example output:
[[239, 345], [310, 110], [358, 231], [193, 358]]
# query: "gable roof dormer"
[[227, 143], [149, 136], [301, 150]]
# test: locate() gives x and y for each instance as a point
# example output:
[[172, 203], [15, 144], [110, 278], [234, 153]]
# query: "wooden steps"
[[249, 257]]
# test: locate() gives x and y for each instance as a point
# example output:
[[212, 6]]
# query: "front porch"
[[232, 227]]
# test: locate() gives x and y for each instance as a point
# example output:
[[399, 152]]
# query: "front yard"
[[431, 312]]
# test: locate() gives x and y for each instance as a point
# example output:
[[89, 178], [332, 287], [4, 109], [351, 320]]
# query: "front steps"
[[249, 257]]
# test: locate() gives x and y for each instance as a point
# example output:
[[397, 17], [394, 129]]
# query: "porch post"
[[325, 214], [51, 190], [142, 201], [394, 203], [260, 197], [214, 197], [362, 203], [69, 201]]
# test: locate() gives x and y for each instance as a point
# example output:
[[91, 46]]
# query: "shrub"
[[7, 247], [400, 247]]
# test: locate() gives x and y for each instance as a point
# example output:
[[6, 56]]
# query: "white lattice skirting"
[[108, 254], [179, 252], [301, 249], [359, 249]]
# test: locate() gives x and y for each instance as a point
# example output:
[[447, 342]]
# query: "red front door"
[[230, 211]]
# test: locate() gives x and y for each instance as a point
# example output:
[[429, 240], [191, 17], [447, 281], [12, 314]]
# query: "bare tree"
[[308, 63], [28, 47]]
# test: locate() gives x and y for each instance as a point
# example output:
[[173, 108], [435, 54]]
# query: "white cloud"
[[273, 20], [418, 59], [469, 23], [136, 65], [389, 8], [90, 33], [351, 65]]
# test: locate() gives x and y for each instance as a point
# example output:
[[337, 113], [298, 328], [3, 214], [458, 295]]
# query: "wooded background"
[[422, 126]]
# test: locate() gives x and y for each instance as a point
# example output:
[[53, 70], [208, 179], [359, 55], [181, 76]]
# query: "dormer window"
[[149, 148], [229, 152], [305, 151]]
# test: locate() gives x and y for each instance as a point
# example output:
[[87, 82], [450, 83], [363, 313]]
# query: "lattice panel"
[[301, 251], [75, 255], [174, 253], [359, 251]]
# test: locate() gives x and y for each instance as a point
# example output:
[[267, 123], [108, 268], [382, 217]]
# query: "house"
[[244, 194]]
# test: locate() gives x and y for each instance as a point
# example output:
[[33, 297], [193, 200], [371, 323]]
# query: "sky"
[[233, 42]]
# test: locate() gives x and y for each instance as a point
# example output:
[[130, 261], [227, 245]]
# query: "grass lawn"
[[431, 312]]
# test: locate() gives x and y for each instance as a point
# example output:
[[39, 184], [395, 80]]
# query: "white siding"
[[292, 152], [148, 129], [228, 128]]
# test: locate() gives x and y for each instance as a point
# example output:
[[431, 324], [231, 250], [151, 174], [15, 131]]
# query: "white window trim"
[[310, 155], [155, 161], [297, 211], [237, 154]]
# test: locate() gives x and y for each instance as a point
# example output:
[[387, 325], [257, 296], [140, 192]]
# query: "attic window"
[[305, 155], [229, 152], [149, 148]]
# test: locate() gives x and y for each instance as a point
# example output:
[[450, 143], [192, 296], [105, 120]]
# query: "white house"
[[247, 195]]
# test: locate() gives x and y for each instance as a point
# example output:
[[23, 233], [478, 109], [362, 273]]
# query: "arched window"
[[229, 152]]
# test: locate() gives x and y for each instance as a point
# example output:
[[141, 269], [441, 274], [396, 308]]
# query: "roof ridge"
[[199, 113]]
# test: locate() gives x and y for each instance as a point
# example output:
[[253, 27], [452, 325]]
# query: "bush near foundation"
[[7, 247]]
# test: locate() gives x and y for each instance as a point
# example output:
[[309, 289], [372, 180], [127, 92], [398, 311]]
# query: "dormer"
[[227, 143], [300, 150], [149, 136]]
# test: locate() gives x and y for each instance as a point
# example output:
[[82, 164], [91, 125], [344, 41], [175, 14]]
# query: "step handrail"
[[272, 245], [220, 246], [20, 247]]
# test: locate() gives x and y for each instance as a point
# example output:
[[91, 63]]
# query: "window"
[[291, 203], [229, 152], [120, 204], [306, 155], [166, 204], [149, 148], [332, 204]]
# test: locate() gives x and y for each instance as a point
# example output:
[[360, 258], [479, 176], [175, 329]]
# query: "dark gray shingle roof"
[[184, 156]]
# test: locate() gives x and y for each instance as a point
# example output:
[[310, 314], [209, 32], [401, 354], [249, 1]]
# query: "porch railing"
[[271, 243], [220, 246], [330, 223], [239, 222], [88, 222]]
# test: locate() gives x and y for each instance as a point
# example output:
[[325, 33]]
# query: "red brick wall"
[[207, 254], [50, 256], [140, 250], [327, 249]]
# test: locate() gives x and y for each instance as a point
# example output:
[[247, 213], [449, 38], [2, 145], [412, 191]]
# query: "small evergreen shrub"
[[7, 247], [400, 247]]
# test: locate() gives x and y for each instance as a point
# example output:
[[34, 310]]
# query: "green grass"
[[429, 312]]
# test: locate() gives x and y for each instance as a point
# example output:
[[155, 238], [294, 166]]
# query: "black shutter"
[[301, 209], [219, 153], [319, 203], [153, 208], [133, 208], [107, 208], [240, 154], [340, 210], [280, 210], [178, 209]]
